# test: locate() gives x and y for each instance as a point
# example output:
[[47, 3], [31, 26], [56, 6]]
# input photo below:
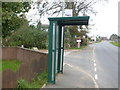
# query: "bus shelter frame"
[[56, 43]]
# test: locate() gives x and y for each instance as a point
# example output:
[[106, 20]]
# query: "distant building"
[[115, 38], [104, 38]]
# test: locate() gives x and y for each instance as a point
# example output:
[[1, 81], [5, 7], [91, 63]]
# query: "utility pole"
[[63, 6]]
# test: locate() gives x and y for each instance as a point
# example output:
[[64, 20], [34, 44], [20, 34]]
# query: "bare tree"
[[82, 6]]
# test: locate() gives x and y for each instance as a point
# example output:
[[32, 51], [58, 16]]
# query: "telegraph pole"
[[63, 6]]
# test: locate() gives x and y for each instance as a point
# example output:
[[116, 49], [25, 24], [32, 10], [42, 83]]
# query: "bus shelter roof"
[[76, 20]]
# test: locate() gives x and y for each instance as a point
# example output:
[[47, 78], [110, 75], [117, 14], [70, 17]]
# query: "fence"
[[33, 62]]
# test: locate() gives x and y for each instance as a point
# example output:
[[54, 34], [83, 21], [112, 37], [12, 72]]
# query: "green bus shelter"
[[56, 43]]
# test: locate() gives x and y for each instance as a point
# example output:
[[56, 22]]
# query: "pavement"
[[73, 77]]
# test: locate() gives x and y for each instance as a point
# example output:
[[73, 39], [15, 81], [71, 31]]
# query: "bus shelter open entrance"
[[56, 43]]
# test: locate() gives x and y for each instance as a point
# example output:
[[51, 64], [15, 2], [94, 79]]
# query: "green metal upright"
[[50, 53]]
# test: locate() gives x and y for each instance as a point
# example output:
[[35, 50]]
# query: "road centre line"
[[69, 65], [96, 76], [94, 64], [64, 64], [95, 69]]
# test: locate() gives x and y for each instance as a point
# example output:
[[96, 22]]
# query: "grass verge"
[[10, 64], [116, 44], [81, 47], [98, 41], [37, 82]]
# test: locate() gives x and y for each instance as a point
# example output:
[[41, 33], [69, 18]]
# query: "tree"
[[42, 27], [13, 15], [81, 6], [72, 34], [29, 37]]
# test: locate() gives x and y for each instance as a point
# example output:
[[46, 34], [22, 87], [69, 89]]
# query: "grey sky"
[[106, 20]]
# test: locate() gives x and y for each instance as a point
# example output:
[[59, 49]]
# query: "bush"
[[28, 37]]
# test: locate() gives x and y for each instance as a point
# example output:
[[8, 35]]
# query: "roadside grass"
[[81, 47], [98, 41], [10, 64], [116, 44], [38, 81]]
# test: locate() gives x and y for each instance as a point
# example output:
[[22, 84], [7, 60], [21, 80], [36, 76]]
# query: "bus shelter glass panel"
[[62, 49], [53, 51], [57, 47]]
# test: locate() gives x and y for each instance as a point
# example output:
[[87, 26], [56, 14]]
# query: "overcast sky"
[[106, 20]]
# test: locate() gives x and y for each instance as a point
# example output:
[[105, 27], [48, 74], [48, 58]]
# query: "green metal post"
[[50, 53], [55, 53]]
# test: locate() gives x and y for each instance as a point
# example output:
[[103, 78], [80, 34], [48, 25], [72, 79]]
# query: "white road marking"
[[96, 76], [69, 65], [64, 64], [66, 53], [95, 69], [94, 64]]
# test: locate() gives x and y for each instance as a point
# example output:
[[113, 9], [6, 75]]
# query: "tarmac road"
[[96, 66], [106, 56], [100, 61]]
